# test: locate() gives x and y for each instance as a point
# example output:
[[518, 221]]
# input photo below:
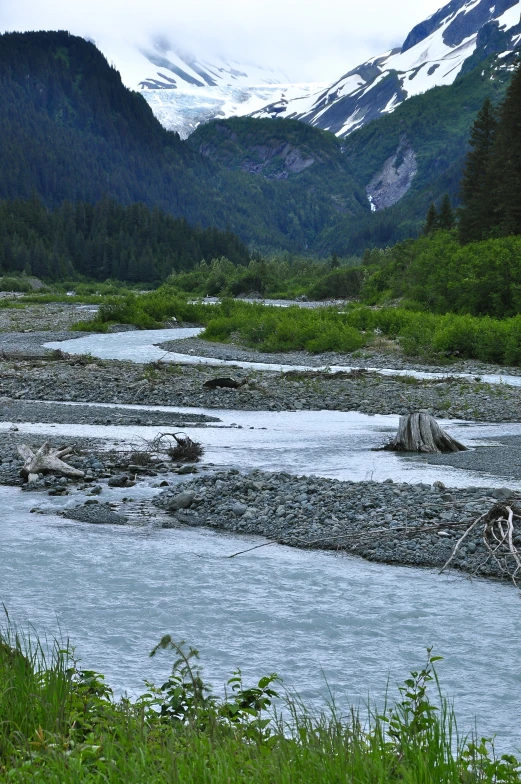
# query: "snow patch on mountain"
[[184, 109], [432, 55]]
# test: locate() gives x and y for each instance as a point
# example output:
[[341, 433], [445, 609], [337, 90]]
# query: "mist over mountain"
[[187, 89]]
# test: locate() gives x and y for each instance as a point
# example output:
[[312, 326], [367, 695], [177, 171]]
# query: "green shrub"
[[61, 725], [14, 285], [338, 284]]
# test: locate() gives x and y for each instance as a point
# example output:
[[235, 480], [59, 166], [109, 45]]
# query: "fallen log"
[[421, 433], [224, 383], [47, 461]]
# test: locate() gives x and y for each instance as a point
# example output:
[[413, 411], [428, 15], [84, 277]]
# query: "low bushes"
[[272, 329], [14, 285], [281, 277], [285, 329], [481, 278]]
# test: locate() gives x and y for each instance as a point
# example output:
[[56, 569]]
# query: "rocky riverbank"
[[49, 317], [87, 380], [415, 525]]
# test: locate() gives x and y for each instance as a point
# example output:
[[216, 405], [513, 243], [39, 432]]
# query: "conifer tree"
[[431, 222], [507, 160], [446, 217], [477, 213]]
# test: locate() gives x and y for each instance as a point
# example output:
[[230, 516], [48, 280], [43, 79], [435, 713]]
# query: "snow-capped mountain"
[[434, 53], [185, 90]]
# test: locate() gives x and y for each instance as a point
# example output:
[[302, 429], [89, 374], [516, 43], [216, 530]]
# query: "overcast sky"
[[310, 39]]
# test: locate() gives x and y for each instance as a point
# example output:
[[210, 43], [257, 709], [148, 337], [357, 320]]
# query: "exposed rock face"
[[275, 161], [391, 184]]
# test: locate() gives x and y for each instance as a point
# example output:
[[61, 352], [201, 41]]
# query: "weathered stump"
[[47, 461], [421, 433]]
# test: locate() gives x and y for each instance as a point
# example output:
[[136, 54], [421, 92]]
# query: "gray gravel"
[[101, 514], [502, 458], [86, 380], [61, 413], [380, 522], [19, 344]]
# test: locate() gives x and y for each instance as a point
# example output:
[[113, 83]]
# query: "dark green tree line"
[[491, 184], [106, 240]]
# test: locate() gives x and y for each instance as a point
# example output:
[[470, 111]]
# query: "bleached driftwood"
[[497, 529], [421, 433], [47, 461]]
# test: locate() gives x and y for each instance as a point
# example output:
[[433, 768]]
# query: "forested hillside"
[[436, 126], [104, 241], [69, 129], [472, 266]]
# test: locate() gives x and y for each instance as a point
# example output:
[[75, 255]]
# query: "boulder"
[[224, 383], [120, 480], [181, 501]]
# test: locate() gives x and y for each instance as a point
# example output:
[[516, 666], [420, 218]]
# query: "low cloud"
[[308, 40]]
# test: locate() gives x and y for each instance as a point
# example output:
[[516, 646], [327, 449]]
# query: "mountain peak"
[[433, 54]]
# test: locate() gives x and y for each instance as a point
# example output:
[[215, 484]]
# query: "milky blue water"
[[306, 615], [144, 346], [310, 616]]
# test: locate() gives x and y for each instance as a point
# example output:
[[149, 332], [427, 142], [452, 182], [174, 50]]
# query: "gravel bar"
[[415, 525]]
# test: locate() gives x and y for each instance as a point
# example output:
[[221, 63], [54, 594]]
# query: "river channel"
[[313, 617]]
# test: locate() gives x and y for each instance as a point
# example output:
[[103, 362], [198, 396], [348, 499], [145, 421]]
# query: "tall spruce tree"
[[507, 160], [431, 221], [446, 217], [477, 214]]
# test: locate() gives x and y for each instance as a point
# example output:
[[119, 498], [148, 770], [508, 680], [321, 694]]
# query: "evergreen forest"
[[467, 260], [70, 131], [106, 241]]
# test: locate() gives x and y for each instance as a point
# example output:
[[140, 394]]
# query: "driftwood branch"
[[421, 433], [498, 538], [47, 461]]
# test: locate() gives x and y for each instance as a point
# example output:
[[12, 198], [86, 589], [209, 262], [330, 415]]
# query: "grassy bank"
[[60, 724], [419, 334]]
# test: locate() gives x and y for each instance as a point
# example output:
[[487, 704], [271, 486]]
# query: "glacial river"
[[313, 617], [144, 346]]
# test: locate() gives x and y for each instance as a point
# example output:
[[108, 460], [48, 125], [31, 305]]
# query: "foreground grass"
[[61, 724], [419, 334]]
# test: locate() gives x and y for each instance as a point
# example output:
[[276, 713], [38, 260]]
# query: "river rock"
[[332, 515], [181, 501], [502, 493], [120, 480], [100, 514]]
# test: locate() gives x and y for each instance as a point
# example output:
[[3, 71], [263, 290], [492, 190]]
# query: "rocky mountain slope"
[[435, 53]]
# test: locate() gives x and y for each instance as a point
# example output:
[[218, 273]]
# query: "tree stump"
[[47, 461], [421, 433]]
